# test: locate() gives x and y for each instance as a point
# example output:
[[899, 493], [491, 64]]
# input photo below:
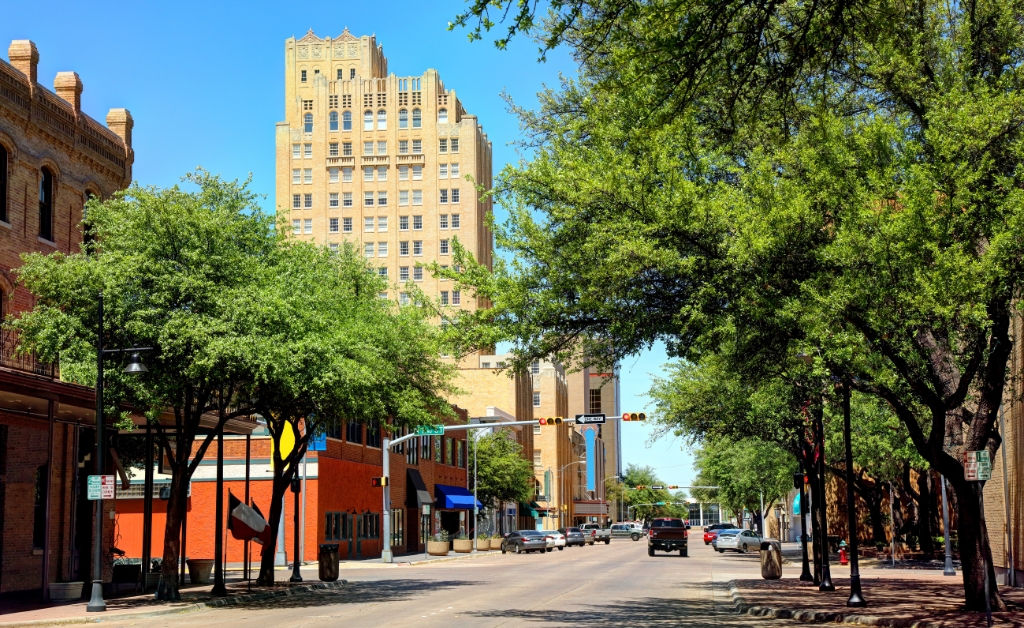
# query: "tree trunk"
[[167, 589], [266, 577], [975, 552]]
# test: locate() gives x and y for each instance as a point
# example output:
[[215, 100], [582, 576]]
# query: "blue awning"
[[454, 497]]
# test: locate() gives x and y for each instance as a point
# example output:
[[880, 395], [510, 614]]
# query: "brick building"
[[53, 157]]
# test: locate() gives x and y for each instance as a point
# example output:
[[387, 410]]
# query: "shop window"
[[398, 528], [354, 433], [448, 451]]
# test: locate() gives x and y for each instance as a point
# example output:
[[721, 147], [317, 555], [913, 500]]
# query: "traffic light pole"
[[386, 554]]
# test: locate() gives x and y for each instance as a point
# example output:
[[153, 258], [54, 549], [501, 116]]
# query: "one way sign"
[[590, 418]]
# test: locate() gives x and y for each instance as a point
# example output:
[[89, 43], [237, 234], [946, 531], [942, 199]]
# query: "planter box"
[[483, 545], [496, 544], [463, 546], [64, 591], [437, 548], [199, 570]]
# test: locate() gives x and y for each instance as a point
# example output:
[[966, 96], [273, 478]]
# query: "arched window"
[[403, 118], [442, 116], [307, 123], [382, 120], [3, 183], [367, 120], [417, 122], [334, 120], [346, 121], [46, 204]]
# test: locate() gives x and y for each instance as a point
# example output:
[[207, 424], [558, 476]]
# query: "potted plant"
[[496, 540], [437, 545], [153, 575], [462, 544], [199, 570], [65, 591]]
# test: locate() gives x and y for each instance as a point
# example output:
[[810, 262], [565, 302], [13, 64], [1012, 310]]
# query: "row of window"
[[373, 173], [344, 122], [444, 246], [379, 148], [454, 451], [380, 198], [338, 526]]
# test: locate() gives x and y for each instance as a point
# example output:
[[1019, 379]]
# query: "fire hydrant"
[[843, 558]]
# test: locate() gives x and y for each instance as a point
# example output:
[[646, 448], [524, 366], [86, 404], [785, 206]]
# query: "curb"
[[446, 559], [187, 608], [741, 606]]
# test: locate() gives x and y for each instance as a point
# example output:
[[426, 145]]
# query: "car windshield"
[[529, 533], [572, 530], [667, 523]]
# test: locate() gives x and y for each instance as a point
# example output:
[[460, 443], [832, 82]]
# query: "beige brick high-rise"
[[387, 163]]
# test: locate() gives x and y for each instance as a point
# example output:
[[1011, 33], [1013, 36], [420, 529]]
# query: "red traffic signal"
[[550, 420], [379, 482], [639, 487], [633, 416]]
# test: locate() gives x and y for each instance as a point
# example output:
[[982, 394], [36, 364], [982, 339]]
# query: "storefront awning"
[[419, 496], [528, 510], [454, 497]]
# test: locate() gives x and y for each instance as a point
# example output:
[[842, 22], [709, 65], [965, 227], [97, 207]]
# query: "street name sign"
[[429, 430], [977, 466], [590, 418], [658, 488], [100, 487]]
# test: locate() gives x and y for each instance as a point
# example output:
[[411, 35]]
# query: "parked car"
[[599, 534], [711, 531], [573, 536], [722, 536], [742, 541], [554, 539], [524, 541], [668, 534], [629, 530]]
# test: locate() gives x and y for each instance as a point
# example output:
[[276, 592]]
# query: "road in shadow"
[[631, 613], [366, 592]]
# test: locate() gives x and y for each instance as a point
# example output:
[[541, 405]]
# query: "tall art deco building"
[[388, 163]]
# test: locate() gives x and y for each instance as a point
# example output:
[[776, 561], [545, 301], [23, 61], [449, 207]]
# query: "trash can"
[[328, 558], [771, 560]]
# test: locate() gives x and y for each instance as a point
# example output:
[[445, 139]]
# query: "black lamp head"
[[135, 365]]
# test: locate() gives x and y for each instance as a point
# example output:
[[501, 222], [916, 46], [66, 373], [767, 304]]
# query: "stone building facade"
[[53, 157], [389, 164]]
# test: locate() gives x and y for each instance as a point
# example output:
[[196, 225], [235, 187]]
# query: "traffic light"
[[639, 487], [633, 416], [551, 420], [672, 486], [379, 482]]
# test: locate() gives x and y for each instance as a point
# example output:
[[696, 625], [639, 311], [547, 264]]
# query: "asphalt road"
[[601, 586]]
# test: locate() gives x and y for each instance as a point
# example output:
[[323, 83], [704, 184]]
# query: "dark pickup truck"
[[668, 535]]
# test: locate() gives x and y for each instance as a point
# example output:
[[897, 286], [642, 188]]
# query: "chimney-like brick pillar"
[[25, 57], [120, 122], [69, 87]]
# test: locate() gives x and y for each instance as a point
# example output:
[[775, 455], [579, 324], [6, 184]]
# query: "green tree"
[[838, 179], [502, 473]]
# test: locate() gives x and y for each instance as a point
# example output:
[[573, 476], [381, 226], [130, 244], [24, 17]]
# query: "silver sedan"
[[740, 541]]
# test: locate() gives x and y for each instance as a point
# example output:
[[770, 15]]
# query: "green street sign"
[[659, 503], [429, 430]]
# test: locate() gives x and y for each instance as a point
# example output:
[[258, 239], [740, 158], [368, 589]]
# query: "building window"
[[346, 225], [456, 220], [417, 247], [417, 147], [368, 173], [382, 173], [39, 521], [296, 201], [307, 225], [307, 151], [346, 199], [444, 197], [307, 105], [333, 225], [382, 223], [346, 121], [46, 204], [417, 197], [444, 297], [417, 223], [442, 116], [307, 123], [403, 147], [417, 173], [332, 149], [443, 249], [351, 73], [346, 175], [382, 272], [442, 146], [444, 221], [456, 297], [332, 101], [382, 120], [346, 149], [296, 151], [307, 175], [367, 148], [403, 271], [368, 224], [334, 121], [448, 450], [595, 401], [443, 171], [373, 434], [455, 145], [403, 249], [403, 173], [382, 148], [382, 249], [368, 199], [417, 273], [403, 223], [455, 171], [535, 367], [333, 175], [425, 447], [455, 195], [297, 227], [536, 400], [460, 454], [536, 429], [303, 75], [354, 433], [417, 121], [368, 249], [403, 197], [398, 516], [367, 120], [382, 199], [403, 118]]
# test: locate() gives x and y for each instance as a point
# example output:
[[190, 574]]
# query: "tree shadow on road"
[[631, 613], [370, 591]]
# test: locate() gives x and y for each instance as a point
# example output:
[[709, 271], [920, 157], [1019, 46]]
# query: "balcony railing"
[[10, 358]]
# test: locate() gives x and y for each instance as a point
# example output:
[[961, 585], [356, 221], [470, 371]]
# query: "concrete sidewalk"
[[909, 598]]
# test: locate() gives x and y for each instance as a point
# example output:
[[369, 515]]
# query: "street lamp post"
[[805, 574], [856, 598], [135, 367]]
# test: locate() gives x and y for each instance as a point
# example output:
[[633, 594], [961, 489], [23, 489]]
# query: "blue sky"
[[204, 82]]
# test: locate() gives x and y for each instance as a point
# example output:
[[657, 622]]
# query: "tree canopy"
[[502, 473]]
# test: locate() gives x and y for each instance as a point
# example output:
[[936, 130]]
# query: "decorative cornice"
[[308, 37]]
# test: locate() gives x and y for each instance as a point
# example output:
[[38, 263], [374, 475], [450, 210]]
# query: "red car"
[[711, 532]]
